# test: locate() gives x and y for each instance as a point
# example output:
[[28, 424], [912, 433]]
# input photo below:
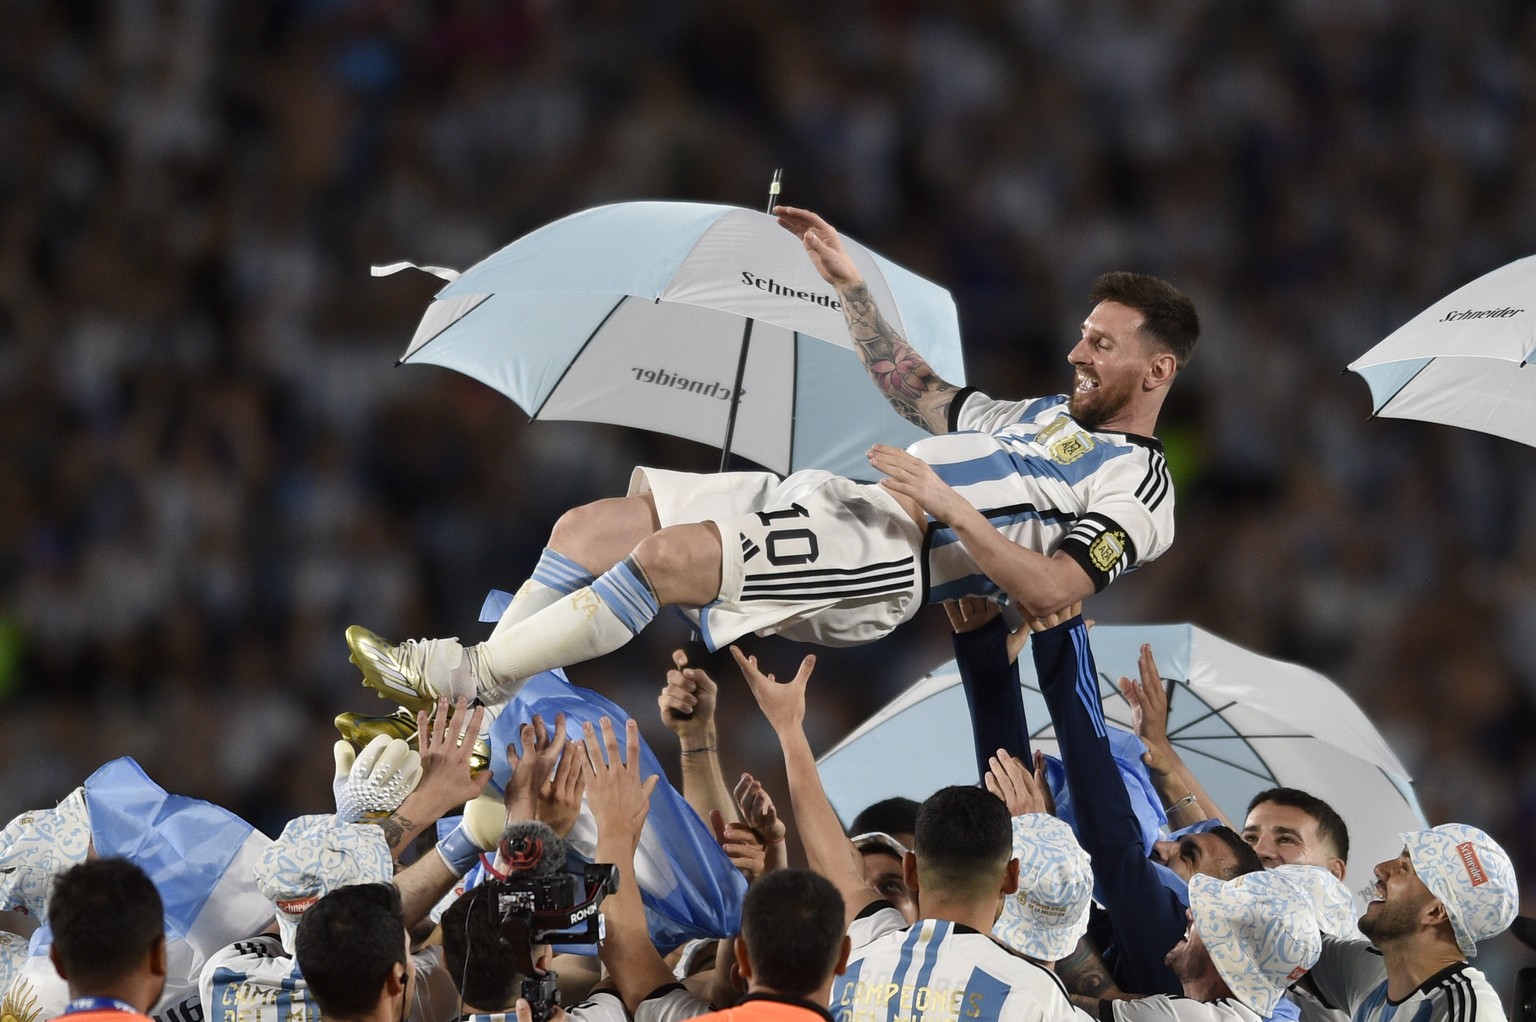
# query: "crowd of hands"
[[554, 776]]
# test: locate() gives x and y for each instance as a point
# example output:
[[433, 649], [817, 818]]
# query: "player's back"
[[939, 971]]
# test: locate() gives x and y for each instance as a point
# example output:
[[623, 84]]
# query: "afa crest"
[[1069, 448], [1105, 551]]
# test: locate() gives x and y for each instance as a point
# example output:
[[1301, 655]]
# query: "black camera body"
[[555, 907]]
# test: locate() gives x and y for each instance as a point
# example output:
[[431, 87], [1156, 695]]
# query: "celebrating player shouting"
[[1040, 502]]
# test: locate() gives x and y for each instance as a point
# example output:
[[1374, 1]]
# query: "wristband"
[[1183, 803], [459, 850]]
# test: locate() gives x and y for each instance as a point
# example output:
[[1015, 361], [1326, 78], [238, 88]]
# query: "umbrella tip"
[[399, 362]]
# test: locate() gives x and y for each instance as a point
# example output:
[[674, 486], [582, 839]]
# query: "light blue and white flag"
[[201, 858], [688, 885]]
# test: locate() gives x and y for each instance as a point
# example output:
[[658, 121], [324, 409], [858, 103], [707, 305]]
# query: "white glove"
[[376, 782]]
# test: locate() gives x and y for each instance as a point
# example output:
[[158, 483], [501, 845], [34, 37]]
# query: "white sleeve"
[[880, 918], [1346, 973], [1157, 1008], [971, 409], [1129, 519], [671, 1004], [602, 1006]]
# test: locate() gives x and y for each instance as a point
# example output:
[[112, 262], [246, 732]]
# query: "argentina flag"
[[201, 859], [689, 887]]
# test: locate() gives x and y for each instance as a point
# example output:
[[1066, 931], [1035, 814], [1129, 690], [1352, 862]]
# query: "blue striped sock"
[[560, 573], [624, 590]]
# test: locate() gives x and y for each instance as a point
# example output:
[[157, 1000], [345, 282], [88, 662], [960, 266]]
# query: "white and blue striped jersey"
[[1351, 976], [940, 971], [1048, 484], [255, 980]]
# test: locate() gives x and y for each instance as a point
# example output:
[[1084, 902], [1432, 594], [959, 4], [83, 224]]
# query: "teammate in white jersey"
[[1041, 502], [1451, 887]]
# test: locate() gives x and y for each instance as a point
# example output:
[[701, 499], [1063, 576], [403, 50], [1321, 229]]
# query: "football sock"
[[553, 577], [589, 622]]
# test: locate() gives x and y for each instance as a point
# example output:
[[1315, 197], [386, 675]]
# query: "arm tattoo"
[[1086, 978], [395, 828], [903, 376]]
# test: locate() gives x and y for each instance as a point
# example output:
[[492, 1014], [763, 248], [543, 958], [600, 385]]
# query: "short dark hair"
[[477, 958], [1167, 316], [963, 836], [888, 816], [106, 916], [347, 946], [792, 922], [1247, 858], [1330, 825]]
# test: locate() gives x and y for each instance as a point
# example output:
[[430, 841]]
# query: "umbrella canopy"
[[1464, 361], [636, 314], [1241, 721]]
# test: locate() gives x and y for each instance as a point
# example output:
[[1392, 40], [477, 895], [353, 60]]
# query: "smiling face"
[[1110, 366], [1283, 835], [1196, 853], [1189, 959], [1398, 908]]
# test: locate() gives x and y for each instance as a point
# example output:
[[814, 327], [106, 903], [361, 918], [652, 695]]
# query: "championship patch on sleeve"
[[1107, 549]]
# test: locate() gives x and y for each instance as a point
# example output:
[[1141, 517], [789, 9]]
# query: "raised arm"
[[1176, 783], [620, 801], [687, 704], [903, 376], [1146, 916], [827, 849]]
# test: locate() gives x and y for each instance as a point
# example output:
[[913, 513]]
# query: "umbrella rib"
[[446, 327], [577, 357], [794, 400], [1268, 776], [1213, 711], [1406, 382]]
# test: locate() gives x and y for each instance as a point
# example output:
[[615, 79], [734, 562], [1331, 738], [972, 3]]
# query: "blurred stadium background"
[[210, 465]]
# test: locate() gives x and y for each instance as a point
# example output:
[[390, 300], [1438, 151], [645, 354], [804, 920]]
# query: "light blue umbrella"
[[1242, 722], [647, 314]]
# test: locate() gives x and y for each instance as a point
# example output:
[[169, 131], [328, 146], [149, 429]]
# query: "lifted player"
[[1040, 502]]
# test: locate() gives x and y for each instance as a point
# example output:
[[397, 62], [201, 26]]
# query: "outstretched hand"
[[783, 705], [447, 744], [1149, 701], [822, 244], [619, 799]]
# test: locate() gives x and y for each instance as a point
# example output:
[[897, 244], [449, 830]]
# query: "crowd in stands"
[[211, 466]]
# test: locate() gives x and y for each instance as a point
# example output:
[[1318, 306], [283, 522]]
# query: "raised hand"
[[1149, 701], [783, 705], [689, 690], [822, 244], [1010, 779], [447, 743], [619, 799]]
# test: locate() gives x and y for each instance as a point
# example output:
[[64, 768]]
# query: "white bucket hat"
[[1260, 931], [1471, 875], [1048, 914], [1337, 914], [314, 856], [37, 846]]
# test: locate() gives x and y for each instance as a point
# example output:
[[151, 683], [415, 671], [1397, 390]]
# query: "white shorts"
[[814, 557]]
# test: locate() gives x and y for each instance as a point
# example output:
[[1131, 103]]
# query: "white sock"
[[594, 620], [553, 577]]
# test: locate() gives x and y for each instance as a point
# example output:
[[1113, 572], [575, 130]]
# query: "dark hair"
[[477, 958], [888, 816], [1247, 858], [1167, 316], [963, 837], [1330, 825], [106, 916], [792, 922], [348, 945]]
